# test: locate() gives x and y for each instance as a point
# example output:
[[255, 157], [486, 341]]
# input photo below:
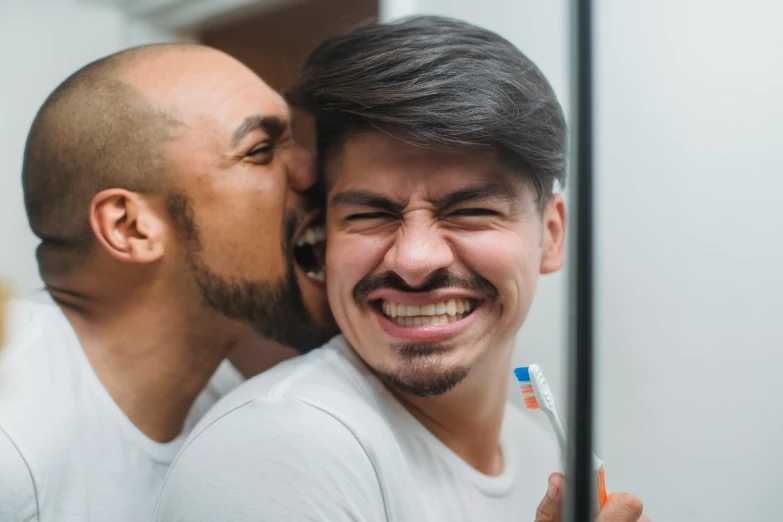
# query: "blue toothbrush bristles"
[[522, 374]]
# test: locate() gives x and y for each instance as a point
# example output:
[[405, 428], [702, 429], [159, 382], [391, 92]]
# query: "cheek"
[[507, 259], [241, 223], [349, 258]]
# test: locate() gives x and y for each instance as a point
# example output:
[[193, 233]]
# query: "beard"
[[275, 309], [422, 371]]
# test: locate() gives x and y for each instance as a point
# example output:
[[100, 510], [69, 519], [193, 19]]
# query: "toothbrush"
[[537, 395]]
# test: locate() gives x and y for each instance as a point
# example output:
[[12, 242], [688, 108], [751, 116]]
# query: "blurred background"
[[689, 135]]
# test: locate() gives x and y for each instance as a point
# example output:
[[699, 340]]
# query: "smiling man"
[[439, 146], [168, 194]]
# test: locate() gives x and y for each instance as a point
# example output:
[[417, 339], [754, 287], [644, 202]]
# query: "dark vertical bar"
[[581, 489]]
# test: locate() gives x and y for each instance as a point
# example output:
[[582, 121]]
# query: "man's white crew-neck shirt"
[[319, 438], [68, 453]]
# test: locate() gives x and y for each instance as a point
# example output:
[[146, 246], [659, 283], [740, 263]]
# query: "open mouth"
[[310, 250], [443, 312]]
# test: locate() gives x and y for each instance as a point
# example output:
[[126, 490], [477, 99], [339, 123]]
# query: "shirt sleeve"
[[18, 501], [272, 460]]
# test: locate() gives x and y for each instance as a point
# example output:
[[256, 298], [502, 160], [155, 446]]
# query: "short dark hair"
[[94, 132], [432, 80]]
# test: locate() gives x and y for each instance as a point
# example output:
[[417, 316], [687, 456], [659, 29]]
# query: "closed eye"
[[263, 149], [369, 215], [474, 212]]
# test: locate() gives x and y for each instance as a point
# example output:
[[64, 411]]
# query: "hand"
[[619, 507]]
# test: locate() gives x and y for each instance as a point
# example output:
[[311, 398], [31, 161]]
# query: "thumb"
[[550, 508]]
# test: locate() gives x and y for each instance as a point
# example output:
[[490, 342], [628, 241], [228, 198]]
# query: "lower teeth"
[[427, 320], [319, 276]]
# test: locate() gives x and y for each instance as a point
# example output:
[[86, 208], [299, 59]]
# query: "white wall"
[[689, 140], [41, 43]]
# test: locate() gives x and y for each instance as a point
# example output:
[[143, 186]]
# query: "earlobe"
[[554, 235], [126, 226]]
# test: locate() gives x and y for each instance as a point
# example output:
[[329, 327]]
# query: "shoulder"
[[18, 496], [330, 378], [268, 458], [38, 333], [43, 389]]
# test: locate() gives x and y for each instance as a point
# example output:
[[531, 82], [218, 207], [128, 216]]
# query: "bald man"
[[168, 194]]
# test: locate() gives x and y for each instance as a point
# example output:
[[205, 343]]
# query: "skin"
[[508, 243], [135, 305]]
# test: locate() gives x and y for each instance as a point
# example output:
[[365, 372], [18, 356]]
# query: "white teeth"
[[312, 236], [423, 320], [318, 276], [452, 307]]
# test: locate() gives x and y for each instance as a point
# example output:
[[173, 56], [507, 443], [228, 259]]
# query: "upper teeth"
[[450, 307], [312, 236]]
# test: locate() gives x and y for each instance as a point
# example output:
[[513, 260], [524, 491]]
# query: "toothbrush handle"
[[598, 466]]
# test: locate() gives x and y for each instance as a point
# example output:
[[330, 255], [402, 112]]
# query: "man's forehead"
[[387, 165], [207, 88]]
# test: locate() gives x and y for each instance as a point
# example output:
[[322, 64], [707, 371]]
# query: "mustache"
[[442, 278]]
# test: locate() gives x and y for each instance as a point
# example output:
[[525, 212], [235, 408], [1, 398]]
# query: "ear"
[[127, 226], [554, 235]]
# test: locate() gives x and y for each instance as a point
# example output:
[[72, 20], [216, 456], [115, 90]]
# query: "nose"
[[301, 170], [419, 250]]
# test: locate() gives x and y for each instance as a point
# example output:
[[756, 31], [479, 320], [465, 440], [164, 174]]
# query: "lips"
[[310, 248], [442, 312], [436, 316]]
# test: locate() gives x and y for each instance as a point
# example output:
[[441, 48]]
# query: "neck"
[[468, 419], [153, 351]]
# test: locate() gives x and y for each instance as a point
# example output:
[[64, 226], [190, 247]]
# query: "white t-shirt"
[[67, 451], [320, 438]]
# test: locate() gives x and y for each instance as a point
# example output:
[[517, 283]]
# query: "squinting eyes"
[[470, 212], [262, 155], [264, 149], [463, 212], [369, 215]]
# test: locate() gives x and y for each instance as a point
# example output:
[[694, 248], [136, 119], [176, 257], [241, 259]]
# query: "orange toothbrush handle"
[[601, 488]]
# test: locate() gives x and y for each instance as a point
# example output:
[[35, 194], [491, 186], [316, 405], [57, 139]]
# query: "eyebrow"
[[366, 198], [475, 193], [272, 125]]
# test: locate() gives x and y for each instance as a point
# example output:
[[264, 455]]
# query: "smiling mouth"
[[310, 251], [443, 312]]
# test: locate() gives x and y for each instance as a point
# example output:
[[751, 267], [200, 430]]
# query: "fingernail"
[[551, 491]]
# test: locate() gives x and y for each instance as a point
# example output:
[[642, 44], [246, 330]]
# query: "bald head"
[[95, 131]]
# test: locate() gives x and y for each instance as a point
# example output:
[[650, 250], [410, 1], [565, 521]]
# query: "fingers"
[[622, 507], [550, 508]]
